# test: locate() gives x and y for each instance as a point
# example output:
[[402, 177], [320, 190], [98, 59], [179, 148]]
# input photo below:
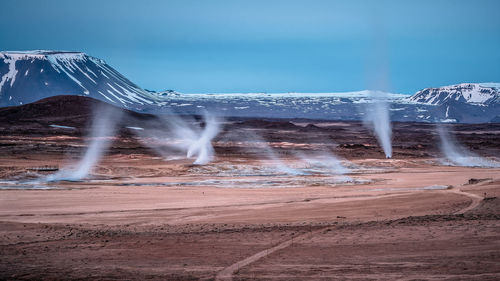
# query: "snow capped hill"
[[473, 93], [32, 75]]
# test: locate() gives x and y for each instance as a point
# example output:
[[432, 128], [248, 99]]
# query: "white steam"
[[378, 65], [270, 154], [318, 162], [256, 144], [377, 118], [103, 129], [323, 162], [201, 147], [181, 136], [458, 155]]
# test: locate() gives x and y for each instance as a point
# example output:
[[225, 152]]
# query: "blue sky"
[[269, 46]]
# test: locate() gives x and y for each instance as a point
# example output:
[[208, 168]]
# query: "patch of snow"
[[84, 73], [448, 120], [106, 97], [134, 96], [398, 109], [479, 94], [124, 102], [11, 74], [62, 127], [104, 74], [490, 85], [54, 62], [135, 128], [88, 69]]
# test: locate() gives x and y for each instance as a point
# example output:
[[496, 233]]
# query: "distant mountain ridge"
[[474, 93], [28, 76], [331, 106]]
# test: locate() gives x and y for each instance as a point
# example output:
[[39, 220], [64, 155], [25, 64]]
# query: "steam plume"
[[377, 118], [459, 155], [184, 136], [253, 143], [202, 146], [324, 160], [103, 128]]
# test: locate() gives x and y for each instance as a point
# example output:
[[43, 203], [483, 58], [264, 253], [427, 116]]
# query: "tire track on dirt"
[[227, 273], [476, 200]]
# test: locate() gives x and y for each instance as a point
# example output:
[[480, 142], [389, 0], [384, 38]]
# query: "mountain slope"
[[30, 76], [473, 93]]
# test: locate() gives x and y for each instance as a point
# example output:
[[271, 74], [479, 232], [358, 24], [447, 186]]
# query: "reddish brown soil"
[[388, 228]]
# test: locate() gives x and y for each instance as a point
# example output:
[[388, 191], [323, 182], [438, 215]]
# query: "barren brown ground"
[[144, 218]]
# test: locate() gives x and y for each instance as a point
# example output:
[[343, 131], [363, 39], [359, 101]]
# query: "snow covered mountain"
[[32, 75], [473, 93], [29, 76], [475, 103]]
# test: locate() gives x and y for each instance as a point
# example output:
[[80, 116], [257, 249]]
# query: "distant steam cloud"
[[377, 118], [315, 162], [254, 143], [459, 155], [323, 161], [183, 135], [201, 146], [103, 128]]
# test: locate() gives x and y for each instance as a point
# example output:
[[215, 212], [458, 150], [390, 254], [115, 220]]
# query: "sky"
[[269, 46]]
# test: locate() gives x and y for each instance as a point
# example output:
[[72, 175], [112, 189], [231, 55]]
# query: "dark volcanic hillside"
[[30, 76], [70, 111], [55, 108]]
